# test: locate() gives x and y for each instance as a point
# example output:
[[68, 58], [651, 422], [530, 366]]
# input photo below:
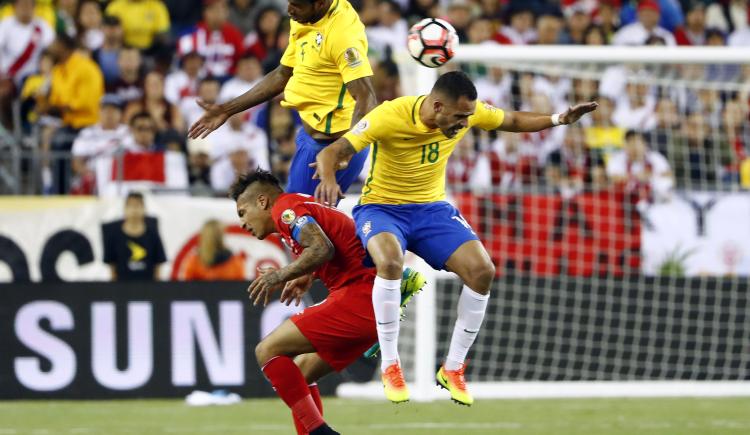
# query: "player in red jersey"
[[325, 337]]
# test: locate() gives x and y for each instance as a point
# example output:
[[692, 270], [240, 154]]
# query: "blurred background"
[[622, 243]]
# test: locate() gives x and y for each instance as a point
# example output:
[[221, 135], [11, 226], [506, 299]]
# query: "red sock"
[[315, 393], [290, 385]]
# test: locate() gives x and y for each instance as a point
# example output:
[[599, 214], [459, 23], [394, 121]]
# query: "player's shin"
[[289, 383], [471, 309], [386, 298]]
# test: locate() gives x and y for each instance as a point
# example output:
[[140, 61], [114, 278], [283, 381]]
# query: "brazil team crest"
[[287, 216]]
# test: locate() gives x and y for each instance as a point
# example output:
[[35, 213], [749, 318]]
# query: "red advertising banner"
[[544, 234]]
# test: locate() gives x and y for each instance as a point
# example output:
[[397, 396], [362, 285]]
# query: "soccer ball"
[[432, 42]]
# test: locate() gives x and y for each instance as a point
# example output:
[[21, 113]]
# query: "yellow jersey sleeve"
[[486, 116], [349, 51], [288, 59], [370, 128]]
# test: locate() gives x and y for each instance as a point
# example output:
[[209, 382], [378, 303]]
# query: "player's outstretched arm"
[[318, 250], [530, 122], [333, 157], [363, 93], [216, 114]]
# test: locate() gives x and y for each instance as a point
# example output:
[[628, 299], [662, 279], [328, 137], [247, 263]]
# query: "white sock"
[[386, 298], [471, 308]]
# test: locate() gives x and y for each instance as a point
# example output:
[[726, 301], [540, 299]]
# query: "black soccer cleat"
[[324, 430]]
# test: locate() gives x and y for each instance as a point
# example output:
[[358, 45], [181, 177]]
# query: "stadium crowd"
[[104, 91]]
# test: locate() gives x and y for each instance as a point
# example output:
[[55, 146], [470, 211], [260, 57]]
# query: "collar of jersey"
[[415, 115], [323, 21]]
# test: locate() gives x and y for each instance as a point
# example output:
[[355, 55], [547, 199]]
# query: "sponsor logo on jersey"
[[352, 57], [287, 216], [318, 40]]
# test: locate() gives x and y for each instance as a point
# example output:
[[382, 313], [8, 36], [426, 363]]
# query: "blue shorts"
[[432, 230], [300, 173]]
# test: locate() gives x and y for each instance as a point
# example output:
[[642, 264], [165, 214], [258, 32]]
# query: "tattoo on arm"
[[318, 250]]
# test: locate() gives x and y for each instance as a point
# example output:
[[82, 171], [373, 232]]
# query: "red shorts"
[[342, 327]]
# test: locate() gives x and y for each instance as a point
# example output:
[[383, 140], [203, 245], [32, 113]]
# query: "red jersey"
[[345, 268]]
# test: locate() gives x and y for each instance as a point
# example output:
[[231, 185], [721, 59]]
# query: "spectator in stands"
[[142, 134], [218, 41], [145, 22], [595, 35], [662, 137], [242, 14], [641, 172], [549, 27], [480, 31], [468, 168], [510, 165], [238, 147], [694, 30], [635, 109], [89, 30], [420, 9], [168, 119], [66, 17], [208, 91], [728, 15], [129, 85], [184, 15], [608, 17], [603, 134], [386, 80], [264, 41], [647, 25], [76, 89], [491, 10], [23, 37], [391, 31], [520, 25], [132, 246], [101, 140], [735, 124], [36, 88], [212, 261], [249, 73], [183, 83], [199, 165], [108, 54], [460, 14], [739, 38], [670, 13], [281, 159], [574, 167], [698, 156], [577, 21]]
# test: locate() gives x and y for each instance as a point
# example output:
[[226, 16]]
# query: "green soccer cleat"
[[412, 282]]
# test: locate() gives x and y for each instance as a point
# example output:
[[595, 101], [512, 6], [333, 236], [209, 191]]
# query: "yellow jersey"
[[408, 158], [141, 20], [325, 56], [78, 85]]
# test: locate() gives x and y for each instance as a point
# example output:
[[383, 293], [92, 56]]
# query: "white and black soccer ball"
[[432, 42]]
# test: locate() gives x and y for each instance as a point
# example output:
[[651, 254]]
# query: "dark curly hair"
[[257, 176]]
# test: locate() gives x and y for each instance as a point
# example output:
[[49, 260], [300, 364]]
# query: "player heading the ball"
[[403, 207]]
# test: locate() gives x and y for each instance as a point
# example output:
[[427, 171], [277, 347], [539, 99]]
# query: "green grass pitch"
[[355, 417]]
